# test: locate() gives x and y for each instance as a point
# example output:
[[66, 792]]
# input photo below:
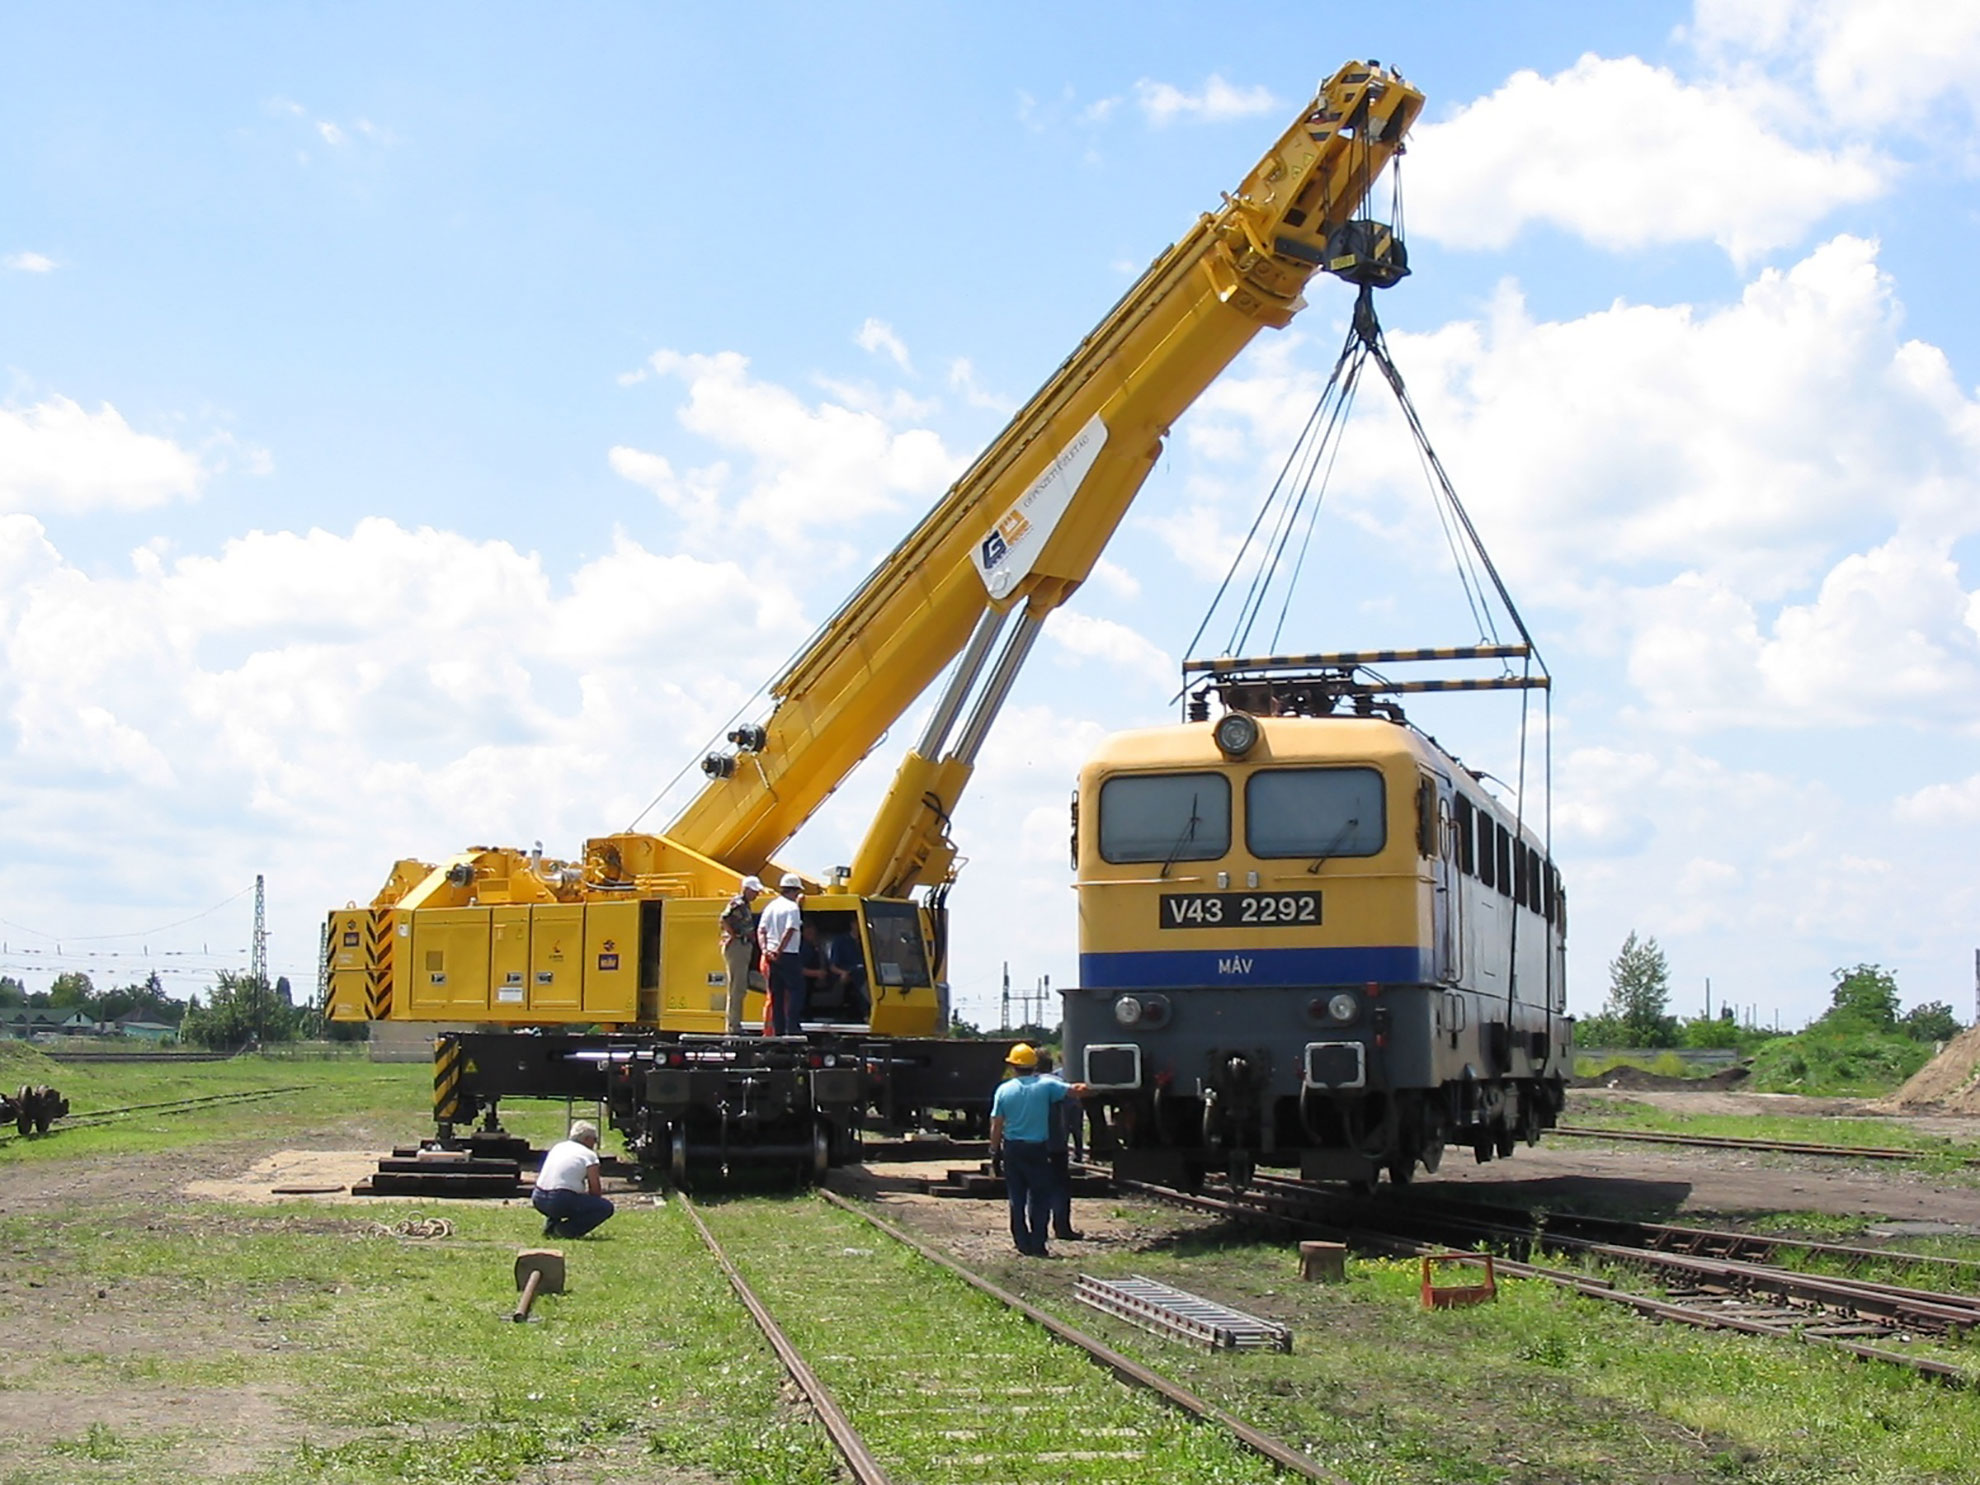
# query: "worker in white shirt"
[[567, 1187], [781, 933]]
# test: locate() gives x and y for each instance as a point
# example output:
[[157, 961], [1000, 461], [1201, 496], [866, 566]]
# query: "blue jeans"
[[788, 993], [1028, 1179], [574, 1212]]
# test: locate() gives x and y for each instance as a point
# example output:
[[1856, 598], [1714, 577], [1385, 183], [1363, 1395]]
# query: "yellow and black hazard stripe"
[[446, 1080], [1227, 663], [378, 964]]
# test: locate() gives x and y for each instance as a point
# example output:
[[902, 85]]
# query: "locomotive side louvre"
[[1333, 950]]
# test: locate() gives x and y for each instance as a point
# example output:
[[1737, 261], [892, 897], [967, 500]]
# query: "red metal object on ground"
[[1455, 1296]]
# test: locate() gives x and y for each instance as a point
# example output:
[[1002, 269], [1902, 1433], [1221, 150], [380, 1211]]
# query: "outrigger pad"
[[549, 1262]]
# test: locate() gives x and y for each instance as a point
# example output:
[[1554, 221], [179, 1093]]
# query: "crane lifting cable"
[[1273, 555]]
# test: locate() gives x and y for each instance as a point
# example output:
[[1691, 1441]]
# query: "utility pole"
[[1708, 997], [1005, 1023], [258, 967]]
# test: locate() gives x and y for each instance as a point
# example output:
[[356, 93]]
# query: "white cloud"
[[1942, 804], [1164, 103], [802, 469], [28, 263], [962, 379], [329, 132], [1755, 504], [56, 457], [1627, 156], [878, 338], [1873, 63], [1121, 649]]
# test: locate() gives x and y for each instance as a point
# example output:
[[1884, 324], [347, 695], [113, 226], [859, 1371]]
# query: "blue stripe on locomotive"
[[1177, 969]]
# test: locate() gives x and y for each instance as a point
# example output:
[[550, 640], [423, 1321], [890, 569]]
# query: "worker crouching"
[[568, 1190]]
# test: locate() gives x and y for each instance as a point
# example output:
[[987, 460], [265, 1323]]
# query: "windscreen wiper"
[[1189, 834]]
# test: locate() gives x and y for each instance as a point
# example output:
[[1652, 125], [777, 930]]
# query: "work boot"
[[1070, 1236]]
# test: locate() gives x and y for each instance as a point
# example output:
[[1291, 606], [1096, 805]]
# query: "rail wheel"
[[821, 1150], [677, 1155]]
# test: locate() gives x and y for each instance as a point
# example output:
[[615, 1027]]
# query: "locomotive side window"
[[1317, 812], [1505, 859], [1467, 861], [1487, 852], [1165, 817]]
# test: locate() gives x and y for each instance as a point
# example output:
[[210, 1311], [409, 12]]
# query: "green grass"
[[398, 1358], [1849, 1064], [331, 1091], [1545, 1386], [1815, 1129]]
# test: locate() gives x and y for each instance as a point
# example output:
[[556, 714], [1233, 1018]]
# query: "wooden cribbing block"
[[1324, 1262]]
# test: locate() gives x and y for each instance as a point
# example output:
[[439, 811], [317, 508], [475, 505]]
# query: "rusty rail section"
[[1774, 1147], [1715, 1293], [845, 1438], [1128, 1370]]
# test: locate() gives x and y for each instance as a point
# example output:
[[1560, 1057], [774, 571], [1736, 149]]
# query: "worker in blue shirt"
[[1020, 1140]]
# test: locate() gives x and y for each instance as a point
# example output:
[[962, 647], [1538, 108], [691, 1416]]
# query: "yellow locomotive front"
[[1283, 961]]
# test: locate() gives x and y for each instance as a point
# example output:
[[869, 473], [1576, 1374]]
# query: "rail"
[[1052, 1413]]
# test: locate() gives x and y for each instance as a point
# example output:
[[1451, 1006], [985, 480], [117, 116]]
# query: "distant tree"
[[1931, 1022], [967, 1030], [1640, 993], [1863, 999], [242, 1011], [1710, 1031], [12, 992], [71, 991]]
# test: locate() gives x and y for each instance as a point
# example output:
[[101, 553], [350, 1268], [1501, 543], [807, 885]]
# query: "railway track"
[[169, 1106], [1909, 1327], [1000, 1390], [1728, 1142]]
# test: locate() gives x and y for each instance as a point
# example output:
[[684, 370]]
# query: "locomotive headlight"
[[1236, 734], [1127, 1010], [1342, 1007]]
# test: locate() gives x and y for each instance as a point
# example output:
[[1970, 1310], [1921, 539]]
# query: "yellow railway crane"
[[625, 935]]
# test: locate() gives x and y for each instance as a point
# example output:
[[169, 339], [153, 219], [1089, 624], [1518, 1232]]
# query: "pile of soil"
[[1623, 1075], [1949, 1082]]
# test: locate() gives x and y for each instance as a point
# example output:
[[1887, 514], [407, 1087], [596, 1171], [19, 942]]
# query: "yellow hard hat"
[[1022, 1056]]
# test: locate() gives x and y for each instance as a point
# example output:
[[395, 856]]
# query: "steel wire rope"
[[1296, 458], [1306, 456], [1237, 559], [1337, 430]]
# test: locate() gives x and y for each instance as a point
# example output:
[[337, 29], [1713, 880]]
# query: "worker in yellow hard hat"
[[1020, 1140]]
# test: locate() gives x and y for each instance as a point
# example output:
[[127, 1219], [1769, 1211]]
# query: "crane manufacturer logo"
[[1012, 547]]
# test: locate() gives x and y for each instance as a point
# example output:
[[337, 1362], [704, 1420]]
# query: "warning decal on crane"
[[1012, 547]]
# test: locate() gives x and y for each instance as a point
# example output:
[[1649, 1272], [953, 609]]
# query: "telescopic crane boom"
[[626, 935], [1022, 529]]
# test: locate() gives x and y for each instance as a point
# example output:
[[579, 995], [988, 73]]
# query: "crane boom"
[[1024, 526], [626, 935]]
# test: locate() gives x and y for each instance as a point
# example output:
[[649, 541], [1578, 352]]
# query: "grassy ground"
[[294, 1343], [1623, 1113]]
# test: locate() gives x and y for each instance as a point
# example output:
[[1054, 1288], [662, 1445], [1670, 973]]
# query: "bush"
[[1854, 1063]]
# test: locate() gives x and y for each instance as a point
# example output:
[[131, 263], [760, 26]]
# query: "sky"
[[424, 427]]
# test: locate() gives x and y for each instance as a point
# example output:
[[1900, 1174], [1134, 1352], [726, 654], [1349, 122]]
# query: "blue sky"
[[423, 427]]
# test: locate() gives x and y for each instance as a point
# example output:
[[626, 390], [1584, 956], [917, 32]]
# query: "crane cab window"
[[900, 958], [1165, 817], [1315, 812]]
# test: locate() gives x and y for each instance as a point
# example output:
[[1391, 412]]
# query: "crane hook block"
[[1366, 252]]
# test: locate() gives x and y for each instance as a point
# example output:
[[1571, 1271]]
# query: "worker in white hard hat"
[[780, 931], [739, 945]]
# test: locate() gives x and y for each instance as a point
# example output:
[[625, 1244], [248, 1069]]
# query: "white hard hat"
[[791, 879], [752, 884]]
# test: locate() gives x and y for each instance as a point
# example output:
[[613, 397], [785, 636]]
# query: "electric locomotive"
[[1310, 939]]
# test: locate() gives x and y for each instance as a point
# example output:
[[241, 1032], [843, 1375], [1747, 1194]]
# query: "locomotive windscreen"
[[1165, 817]]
